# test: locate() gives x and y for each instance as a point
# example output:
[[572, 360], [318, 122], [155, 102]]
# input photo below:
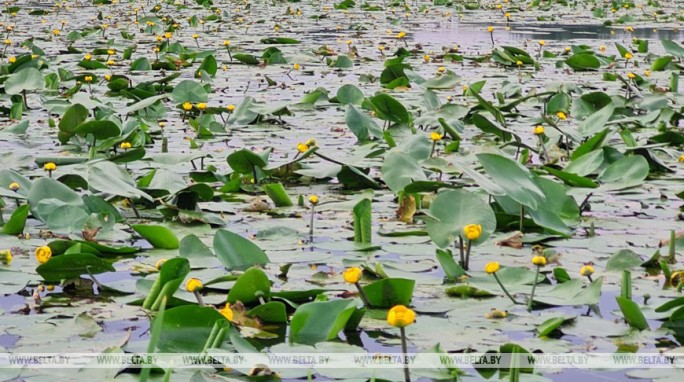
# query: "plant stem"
[[363, 296], [99, 286], [311, 224], [534, 287], [522, 214], [404, 351], [199, 298], [672, 248], [467, 254], [328, 159], [503, 288], [460, 249]]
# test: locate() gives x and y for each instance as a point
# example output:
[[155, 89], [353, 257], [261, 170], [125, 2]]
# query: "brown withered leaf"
[[90, 233], [666, 242], [513, 241], [407, 208]]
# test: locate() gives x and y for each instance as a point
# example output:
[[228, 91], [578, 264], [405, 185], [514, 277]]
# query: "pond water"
[[468, 33]]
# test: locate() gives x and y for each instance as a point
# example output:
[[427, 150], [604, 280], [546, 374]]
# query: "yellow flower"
[[348, 42], [168, 35], [311, 142], [313, 199], [538, 130], [195, 36], [302, 147], [587, 270], [88, 57], [110, 62], [602, 48], [507, 15], [542, 42], [49, 166], [162, 124], [8, 42], [352, 275], [226, 43], [435, 136], [676, 278], [5, 257], [426, 58], [561, 115], [680, 159], [108, 77], [295, 66], [647, 73], [55, 32], [496, 314], [12, 59], [88, 78], [227, 312], [401, 316], [628, 55], [202, 106], [43, 254], [381, 47], [631, 75], [492, 267], [539, 261], [230, 107], [14, 186], [472, 231], [193, 285], [401, 34], [50, 288], [187, 106], [125, 145], [111, 52], [490, 29], [159, 38], [441, 69], [159, 263]]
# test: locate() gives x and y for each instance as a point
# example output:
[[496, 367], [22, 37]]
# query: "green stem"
[[672, 248], [199, 298], [534, 287], [311, 224], [503, 288], [467, 254], [210, 340], [522, 215], [460, 250], [404, 351], [363, 296]]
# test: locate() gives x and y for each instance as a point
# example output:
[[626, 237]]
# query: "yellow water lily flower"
[[43, 254], [193, 285], [492, 267], [472, 231], [313, 199], [539, 261], [227, 312], [401, 316], [352, 275], [587, 270]]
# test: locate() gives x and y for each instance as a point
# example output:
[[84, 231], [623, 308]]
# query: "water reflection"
[[468, 33]]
